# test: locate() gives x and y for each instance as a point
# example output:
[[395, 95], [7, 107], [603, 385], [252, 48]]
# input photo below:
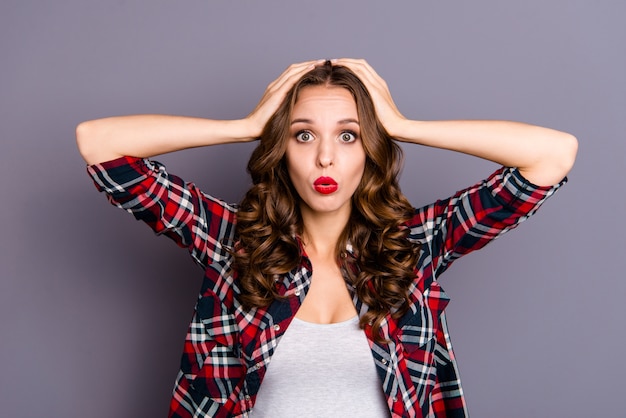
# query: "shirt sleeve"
[[170, 206], [473, 217]]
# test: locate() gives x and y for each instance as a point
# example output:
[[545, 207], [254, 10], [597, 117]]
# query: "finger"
[[353, 62], [375, 84], [292, 70], [276, 91], [363, 70], [362, 67]]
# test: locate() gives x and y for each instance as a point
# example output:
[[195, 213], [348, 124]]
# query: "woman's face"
[[325, 155]]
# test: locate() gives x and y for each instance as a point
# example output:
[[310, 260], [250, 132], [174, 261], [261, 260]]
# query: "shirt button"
[[384, 361], [395, 399], [247, 397], [276, 327], [297, 293]]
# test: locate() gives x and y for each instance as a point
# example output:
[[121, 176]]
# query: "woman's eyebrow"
[[309, 121], [346, 121], [340, 122]]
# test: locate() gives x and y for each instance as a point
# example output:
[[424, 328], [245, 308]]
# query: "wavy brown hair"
[[269, 221]]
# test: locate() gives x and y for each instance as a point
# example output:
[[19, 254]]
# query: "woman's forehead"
[[320, 98]]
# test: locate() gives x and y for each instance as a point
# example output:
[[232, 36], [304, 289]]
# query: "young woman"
[[320, 294]]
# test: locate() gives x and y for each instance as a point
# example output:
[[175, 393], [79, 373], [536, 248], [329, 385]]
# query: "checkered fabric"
[[227, 349]]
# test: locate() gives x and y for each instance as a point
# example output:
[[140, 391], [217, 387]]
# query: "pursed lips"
[[325, 185]]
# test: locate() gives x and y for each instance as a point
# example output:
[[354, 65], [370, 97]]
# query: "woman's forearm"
[[149, 135], [544, 156]]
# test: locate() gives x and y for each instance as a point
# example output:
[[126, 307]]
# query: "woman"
[[324, 254]]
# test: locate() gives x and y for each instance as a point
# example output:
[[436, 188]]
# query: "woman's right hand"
[[150, 135], [275, 94], [386, 109]]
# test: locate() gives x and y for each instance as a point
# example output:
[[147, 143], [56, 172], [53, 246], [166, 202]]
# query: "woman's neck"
[[321, 233]]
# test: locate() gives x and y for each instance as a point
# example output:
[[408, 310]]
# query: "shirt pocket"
[[418, 338], [219, 324], [222, 369], [419, 326], [417, 331]]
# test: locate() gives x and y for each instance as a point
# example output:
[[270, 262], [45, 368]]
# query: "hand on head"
[[386, 109], [276, 91]]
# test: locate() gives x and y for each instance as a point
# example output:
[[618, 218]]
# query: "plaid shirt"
[[227, 349]]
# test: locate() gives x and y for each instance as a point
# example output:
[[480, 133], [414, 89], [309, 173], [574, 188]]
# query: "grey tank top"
[[321, 370]]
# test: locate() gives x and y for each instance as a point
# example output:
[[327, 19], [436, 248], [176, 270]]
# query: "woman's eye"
[[304, 136], [348, 137]]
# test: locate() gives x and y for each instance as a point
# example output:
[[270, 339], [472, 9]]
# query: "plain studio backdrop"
[[94, 308]]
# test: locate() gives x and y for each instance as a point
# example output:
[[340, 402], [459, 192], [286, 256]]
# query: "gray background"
[[94, 309]]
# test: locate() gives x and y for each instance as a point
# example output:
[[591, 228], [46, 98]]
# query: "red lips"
[[325, 185]]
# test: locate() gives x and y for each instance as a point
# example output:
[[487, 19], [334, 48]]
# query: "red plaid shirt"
[[227, 349]]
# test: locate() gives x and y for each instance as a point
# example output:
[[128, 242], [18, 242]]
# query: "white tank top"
[[321, 370]]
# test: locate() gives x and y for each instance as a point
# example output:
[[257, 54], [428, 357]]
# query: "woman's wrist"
[[406, 130], [246, 129]]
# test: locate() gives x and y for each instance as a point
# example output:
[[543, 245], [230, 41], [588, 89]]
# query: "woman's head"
[[382, 165], [324, 156], [270, 218]]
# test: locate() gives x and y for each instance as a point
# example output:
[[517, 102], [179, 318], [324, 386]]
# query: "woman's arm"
[[149, 135], [544, 156]]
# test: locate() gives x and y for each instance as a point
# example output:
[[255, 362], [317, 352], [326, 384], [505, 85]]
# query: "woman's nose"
[[325, 153]]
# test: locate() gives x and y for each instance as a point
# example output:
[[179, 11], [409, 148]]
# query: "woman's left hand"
[[544, 156], [386, 109]]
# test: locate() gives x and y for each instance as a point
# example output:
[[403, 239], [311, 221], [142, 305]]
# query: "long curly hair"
[[381, 266]]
